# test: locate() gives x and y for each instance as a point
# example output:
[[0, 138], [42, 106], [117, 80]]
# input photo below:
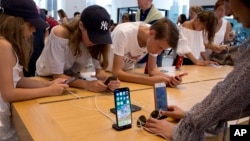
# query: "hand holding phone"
[[75, 77], [70, 80], [181, 75], [110, 78]]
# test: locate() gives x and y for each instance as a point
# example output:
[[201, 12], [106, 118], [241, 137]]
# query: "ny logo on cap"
[[104, 25]]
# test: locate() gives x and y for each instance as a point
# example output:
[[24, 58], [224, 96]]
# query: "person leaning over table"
[[70, 46], [228, 100], [223, 30], [132, 41], [19, 19], [191, 43], [148, 13]]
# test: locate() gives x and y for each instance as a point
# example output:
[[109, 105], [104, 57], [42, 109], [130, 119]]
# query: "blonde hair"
[[11, 28], [196, 9]]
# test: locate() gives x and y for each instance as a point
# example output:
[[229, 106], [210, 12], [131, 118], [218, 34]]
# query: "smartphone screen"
[[160, 95], [123, 107]]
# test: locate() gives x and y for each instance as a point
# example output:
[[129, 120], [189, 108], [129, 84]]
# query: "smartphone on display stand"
[[160, 97], [123, 109]]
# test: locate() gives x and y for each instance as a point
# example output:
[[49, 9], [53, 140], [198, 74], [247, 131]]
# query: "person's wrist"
[[184, 115]]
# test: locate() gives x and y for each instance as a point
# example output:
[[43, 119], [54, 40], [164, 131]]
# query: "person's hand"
[[160, 78], [113, 84], [57, 86], [205, 63], [159, 127], [174, 81], [57, 80], [96, 86], [218, 49], [174, 112], [200, 63]]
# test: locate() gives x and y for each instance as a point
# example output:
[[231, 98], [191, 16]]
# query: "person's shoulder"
[[60, 31], [186, 24], [5, 44]]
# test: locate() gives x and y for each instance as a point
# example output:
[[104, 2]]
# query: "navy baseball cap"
[[96, 20], [25, 9]]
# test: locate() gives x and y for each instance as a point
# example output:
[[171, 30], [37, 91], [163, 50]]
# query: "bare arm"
[[204, 56], [8, 92], [102, 74], [191, 57], [152, 67], [94, 86], [199, 62], [129, 77], [228, 36]]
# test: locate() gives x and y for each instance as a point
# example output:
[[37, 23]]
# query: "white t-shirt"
[[190, 41], [125, 44], [57, 57]]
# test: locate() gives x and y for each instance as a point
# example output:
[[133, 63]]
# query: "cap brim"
[[38, 23], [99, 38]]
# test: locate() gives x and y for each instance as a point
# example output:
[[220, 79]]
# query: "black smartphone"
[[160, 97], [123, 109], [113, 77], [70, 80]]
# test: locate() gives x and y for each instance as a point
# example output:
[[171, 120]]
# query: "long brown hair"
[[210, 20], [11, 28], [61, 13], [98, 52]]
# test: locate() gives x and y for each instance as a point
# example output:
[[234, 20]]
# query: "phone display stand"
[[134, 108], [116, 127]]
